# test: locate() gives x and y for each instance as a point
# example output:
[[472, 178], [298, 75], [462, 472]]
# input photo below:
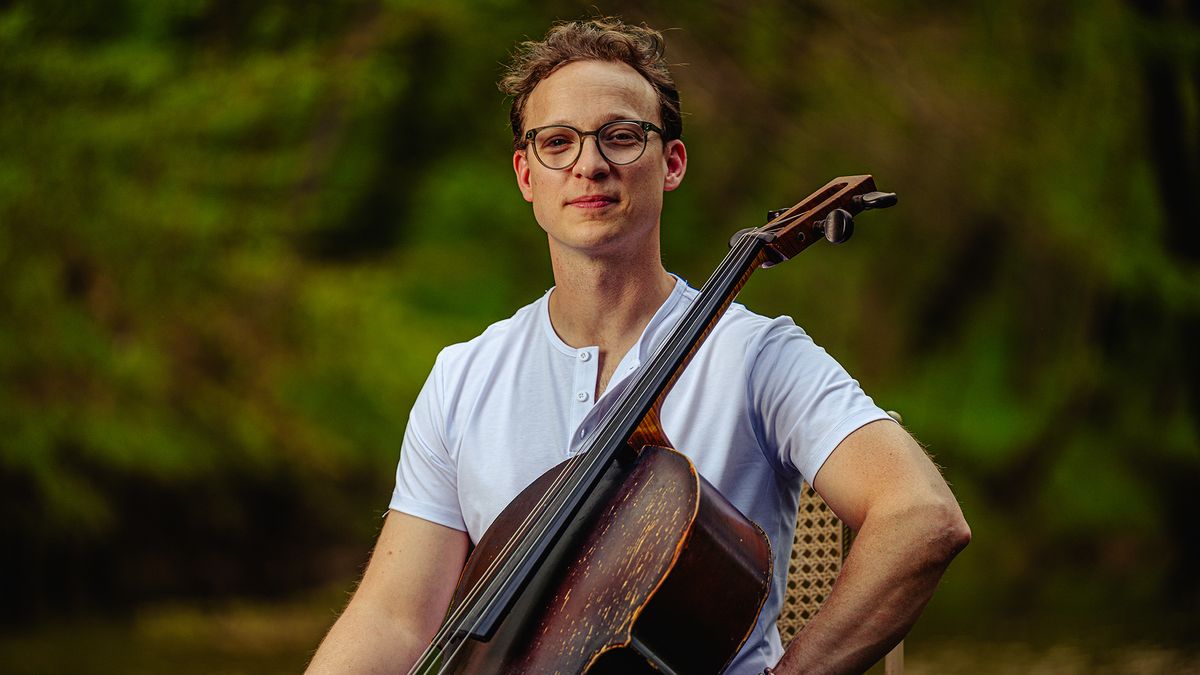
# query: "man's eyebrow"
[[611, 117]]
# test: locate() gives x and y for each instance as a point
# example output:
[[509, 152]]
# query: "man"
[[597, 129]]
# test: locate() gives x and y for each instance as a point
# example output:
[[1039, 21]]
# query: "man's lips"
[[592, 201]]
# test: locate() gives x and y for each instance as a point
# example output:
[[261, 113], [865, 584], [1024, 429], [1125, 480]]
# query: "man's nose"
[[591, 162]]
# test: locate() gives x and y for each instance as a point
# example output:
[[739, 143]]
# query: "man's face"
[[595, 207]]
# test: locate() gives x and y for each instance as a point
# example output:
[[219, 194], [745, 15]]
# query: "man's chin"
[[599, 236], [596, 242]]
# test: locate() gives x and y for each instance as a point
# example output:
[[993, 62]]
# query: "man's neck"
[[606, 302]]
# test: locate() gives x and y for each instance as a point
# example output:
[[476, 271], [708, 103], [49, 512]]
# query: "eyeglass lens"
[[620, 143]]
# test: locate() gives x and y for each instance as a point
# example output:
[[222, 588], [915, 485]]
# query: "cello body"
[[659, 573]]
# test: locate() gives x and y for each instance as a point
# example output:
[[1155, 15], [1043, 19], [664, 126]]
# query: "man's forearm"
[[889, 576], [364, 640]]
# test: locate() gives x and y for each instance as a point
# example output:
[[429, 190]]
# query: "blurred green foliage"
[[233, 236]]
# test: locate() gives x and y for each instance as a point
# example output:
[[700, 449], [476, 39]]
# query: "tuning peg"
[[874, 200], [837, 226]]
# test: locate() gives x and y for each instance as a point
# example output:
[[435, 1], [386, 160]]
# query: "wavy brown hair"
[[600, 39]]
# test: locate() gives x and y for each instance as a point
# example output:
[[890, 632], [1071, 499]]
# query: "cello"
[[606, 562]]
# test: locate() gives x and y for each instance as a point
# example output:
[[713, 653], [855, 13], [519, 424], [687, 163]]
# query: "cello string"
[[646, 380], [545, 505], [550, 503], [695, 315], [623, 411], [554, 493], [539, 507]]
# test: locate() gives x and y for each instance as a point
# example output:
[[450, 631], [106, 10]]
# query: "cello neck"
[[789, 232]]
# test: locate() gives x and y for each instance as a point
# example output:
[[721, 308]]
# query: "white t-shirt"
[[758, 410]]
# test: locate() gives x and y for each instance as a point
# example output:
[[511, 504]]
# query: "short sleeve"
[[426, 477], [806, 403]]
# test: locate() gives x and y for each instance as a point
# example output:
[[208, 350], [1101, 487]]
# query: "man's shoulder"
[[755, 343], [748, 327]]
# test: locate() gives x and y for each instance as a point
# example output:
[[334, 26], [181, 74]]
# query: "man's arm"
[[909, 527], [401, 601]]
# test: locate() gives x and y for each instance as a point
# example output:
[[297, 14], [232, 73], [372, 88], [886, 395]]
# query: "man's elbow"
[[948, 529]]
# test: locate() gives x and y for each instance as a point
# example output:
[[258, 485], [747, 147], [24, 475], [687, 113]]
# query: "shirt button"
[[581, 396], [582, 433], [585, 356]]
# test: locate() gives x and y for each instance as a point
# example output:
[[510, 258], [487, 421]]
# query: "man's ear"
[[521, 167], [675, 155]]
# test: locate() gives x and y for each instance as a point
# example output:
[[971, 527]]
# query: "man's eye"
[[622, 137], [557, 143]]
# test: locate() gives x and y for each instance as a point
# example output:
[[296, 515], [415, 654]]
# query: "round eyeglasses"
[[558, 146]]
